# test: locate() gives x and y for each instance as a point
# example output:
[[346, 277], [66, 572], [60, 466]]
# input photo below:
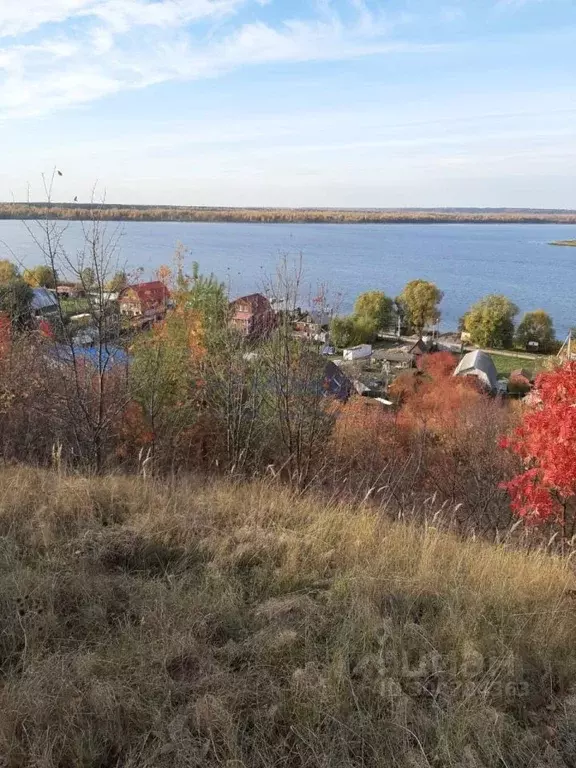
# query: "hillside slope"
[[219, 625]]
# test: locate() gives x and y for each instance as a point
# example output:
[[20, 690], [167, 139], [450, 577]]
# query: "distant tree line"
[[81, 212]]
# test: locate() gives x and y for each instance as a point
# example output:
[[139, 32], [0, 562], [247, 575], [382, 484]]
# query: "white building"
[[361, 352]]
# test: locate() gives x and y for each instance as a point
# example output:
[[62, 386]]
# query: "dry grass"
[[219, 625]]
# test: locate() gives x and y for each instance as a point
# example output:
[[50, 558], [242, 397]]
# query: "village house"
[[313, 325], [252, 315], [145, 300]]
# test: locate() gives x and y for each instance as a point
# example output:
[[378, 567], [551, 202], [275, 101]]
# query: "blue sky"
[[368, 103]]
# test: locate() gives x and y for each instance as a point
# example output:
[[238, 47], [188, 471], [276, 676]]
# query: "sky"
[[343, 103]]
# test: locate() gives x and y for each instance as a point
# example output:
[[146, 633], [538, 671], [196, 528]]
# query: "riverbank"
[[569, 243], [108, 212]]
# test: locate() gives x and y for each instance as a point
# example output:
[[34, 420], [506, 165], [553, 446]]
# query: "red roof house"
[[252, 315], [144, 300]]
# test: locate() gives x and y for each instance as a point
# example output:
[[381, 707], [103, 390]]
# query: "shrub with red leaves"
[[546, 443]]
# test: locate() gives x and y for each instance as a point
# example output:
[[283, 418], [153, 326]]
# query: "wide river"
[[466, 261]]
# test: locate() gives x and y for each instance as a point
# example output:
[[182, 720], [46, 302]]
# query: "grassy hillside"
[[212, 625]]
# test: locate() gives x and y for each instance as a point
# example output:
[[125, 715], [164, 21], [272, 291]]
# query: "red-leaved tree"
[[545, 440]]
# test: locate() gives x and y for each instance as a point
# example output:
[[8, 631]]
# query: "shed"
[[360, 352], [479, 364], [395, 357], [398, 358]]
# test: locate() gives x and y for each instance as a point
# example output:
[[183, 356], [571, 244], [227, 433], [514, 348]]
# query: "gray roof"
[[394, 355], [316, 318], [479, 363], [42, 298]]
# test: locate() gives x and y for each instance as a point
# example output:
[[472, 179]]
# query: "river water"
[[466, 261]]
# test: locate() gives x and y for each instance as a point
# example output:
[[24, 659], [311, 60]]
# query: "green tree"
[[118, 282], [204, 294], [419, 301], [536, 326], [352, 330], [41, 276], [8, 271], [374, 307], [490, 322], [15, 301]]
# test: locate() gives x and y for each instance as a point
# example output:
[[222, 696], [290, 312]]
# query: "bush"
[[518, 385]]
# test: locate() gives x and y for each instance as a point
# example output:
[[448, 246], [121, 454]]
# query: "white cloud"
[[107, 46], [18, 17]]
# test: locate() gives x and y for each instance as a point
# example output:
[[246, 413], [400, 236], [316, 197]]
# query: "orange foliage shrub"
[[442, 442], [439, 365], [364, 431]]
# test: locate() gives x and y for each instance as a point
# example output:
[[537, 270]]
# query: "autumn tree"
[[183, 367], [375, 308], [490, 322], [545, 441], [536, 326], [8, 271], [41, 276], [420, 301], [165, 378]]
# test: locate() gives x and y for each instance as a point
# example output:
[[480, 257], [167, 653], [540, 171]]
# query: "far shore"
[[117, 212], [568, 243]]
